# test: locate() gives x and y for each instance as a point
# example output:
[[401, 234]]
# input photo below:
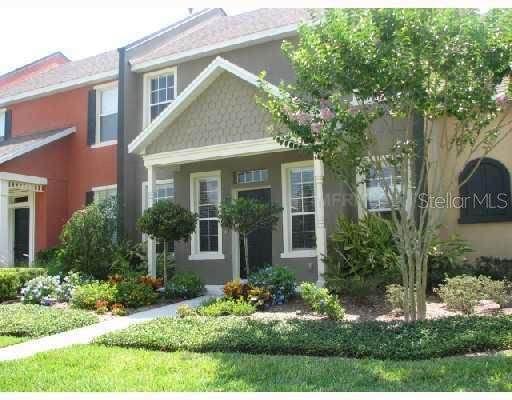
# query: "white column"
[[4, 224], [151, 242], [32, 227], [321, 236]]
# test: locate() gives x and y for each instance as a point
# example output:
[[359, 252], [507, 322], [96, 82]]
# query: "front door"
[[260, 241], [21, 235]]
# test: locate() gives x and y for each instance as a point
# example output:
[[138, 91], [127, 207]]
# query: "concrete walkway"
[[88, 333]]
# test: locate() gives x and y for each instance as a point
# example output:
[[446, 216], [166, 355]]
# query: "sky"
[[29, 33]]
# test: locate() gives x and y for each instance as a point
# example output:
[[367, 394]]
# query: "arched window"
[[486, 194]]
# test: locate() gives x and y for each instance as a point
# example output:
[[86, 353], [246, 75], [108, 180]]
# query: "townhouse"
[[174, 116]]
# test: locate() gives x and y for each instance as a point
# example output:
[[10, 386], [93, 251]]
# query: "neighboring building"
[[58, 135]]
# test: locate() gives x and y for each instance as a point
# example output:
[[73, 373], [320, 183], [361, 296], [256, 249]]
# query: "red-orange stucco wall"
[[71, 166]]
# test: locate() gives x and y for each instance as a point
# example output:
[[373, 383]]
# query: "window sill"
[[484, 219], [300, 254], [104, 144], [206, 256]]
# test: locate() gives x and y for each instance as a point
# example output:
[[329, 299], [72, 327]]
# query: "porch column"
[[151, 242], [4, 223], [321, 236]]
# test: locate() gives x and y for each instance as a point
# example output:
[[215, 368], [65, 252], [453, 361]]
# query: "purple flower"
[[502, 99], [316, 127], [326, 114]]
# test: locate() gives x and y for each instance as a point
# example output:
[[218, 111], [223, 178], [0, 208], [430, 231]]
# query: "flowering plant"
[[47, 290]]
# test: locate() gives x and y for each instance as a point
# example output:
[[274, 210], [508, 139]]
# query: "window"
[[164, 191], [205, 200], [254, 176], [104, 192], [2, 125], [160, 90], [375, 197], [106, 118], [485, 197], [299, 201]]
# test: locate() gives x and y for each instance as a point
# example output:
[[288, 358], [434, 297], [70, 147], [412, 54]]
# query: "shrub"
[[361, 257], [184, 310], [152, 282], [185, 286], [493, 267], [498, 291], [279, 281], [224, 306], [36, 320], [132, 293], [259, 297], [101, 306], [370, 339], [49, 289], [395, 296], [87, 295], [460, 293], [88, 244], [321, 301], [118, 309], [13, 279], [236, 290]]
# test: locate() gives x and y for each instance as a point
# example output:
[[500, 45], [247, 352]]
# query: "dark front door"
[[21, 234], [260, 241]]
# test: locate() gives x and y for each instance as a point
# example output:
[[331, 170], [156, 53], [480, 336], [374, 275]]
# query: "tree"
[[246, 216], [89, 240], [361, 73], [169, 222]]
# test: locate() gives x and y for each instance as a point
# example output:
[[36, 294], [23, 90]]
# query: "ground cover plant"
[[82, 369], [13, 279], [321, 301], [36, 320], [373, 339]]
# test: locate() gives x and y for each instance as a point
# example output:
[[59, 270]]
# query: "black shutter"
[[8, 125], [91, 117], [89, 198]]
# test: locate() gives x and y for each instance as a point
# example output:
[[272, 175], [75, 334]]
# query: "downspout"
[[121, 146]]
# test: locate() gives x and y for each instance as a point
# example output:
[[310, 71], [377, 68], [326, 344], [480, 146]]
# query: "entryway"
[[21, 248], [260, 241]]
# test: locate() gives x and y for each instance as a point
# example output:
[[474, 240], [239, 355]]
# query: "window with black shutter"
[[485, 196]]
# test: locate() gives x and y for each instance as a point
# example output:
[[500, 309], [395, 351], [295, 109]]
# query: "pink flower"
[[326, 114], [316, 127], [502, 99], [301, 117]]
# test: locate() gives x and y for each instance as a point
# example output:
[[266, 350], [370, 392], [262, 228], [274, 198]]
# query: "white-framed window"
[[164, 190], [205, 196], [106, 114], [251, 176], [102, 193], [160, 90], [299, 233], [372, 189], [2, 125]]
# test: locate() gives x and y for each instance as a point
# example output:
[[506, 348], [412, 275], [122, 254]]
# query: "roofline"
[[240, 42], [34, 180], [30, 64], [177, 24], [34, 146], [205, 78], [59, 87]]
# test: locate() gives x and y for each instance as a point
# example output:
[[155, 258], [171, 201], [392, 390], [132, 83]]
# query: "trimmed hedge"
[[13, 279], [374, 339], [34, 320]]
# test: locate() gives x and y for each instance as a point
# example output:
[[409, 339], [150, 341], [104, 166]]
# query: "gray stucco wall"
[[225, 112]]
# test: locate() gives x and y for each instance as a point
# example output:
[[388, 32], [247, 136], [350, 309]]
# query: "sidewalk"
[[87, 334]]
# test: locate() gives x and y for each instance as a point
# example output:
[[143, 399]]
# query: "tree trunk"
[[165, 262], [246, 253]]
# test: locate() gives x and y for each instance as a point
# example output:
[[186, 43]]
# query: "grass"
[[98, 368], [8, 340], [35, 320], [379, 340]]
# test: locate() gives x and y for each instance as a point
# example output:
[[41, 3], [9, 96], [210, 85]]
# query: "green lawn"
[[98, 368], [8, 340]]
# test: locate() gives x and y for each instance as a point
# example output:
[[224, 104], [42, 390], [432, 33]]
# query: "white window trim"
[[2, 128], [99, 88], [146, 92], [103, 188], [288, 252], [195, 253], [145, 186]]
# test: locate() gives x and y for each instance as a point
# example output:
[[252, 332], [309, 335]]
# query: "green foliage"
[[236, 290], [321, 301], [395, 296], [132, 293], [88, 244], [279, 281], [493, 267], [87, 295], [361, 257], [170, 265], [130, 259], [13, 279], [36, 320], [47, 290], [372, 339], [498, 291], [184, 310], [226, 306], [185, 286]]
